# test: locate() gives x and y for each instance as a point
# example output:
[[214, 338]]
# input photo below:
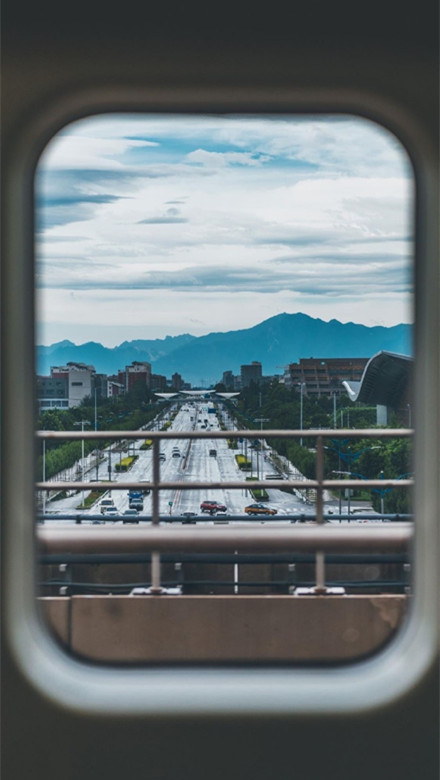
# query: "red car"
[[212, 507]]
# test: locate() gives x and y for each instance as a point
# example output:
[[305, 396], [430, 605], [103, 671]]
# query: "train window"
[[76, 176], [202, 279]]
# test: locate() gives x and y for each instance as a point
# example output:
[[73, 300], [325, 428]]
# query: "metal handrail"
[[309, 433], [92, 539]]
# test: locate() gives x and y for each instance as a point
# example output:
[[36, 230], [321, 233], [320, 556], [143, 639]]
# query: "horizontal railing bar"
[[367, 433], [224, 517], [111, 539], [179, 485], [115, 587], [102, 559]]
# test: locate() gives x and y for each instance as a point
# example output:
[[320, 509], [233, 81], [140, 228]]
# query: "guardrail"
[[157, 539]]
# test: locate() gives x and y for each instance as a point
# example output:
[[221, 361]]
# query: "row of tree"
[[280, 407], [126, 412]]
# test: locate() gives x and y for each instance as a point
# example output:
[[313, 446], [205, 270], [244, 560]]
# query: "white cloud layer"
[[199, 224]]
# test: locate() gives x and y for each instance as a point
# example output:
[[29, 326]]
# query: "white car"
[[111, 511], [105, 504]]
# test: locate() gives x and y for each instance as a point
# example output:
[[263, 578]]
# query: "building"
[[323, 376], [52, 392], [251, 373], [80, 380], [386, 382], [114, 387], [228, 380], [138, 371], [158, 383], [176, 382]]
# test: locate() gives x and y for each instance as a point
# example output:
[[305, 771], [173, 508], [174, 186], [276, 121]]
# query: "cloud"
[[171, 217], [263, 207], [222, 159]]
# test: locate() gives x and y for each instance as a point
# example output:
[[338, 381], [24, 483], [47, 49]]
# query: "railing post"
[[156, 588], [319, 557]]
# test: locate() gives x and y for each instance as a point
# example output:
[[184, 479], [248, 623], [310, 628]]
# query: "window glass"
[[199, 274]]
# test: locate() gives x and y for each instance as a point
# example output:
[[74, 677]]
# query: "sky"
[[156, 225]]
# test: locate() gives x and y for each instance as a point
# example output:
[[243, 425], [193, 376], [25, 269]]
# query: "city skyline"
[[149, 226]]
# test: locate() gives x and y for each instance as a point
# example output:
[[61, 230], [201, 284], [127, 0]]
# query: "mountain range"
[[201, 360]]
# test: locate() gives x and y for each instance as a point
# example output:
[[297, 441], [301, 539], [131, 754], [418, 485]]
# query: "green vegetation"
[[259, 494], [91, 499], [125, 463], [127, 412], [243, 463], [364, 458]]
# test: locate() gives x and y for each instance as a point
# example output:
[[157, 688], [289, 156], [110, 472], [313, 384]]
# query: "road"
[[193, 465]]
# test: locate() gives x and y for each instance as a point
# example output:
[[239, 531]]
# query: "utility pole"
[[261, 420], [301, 386], [82, 423]]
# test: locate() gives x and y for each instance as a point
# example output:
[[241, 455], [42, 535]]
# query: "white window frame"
[[371, 683]]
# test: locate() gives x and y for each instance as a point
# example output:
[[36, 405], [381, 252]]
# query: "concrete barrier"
[[166, 628]]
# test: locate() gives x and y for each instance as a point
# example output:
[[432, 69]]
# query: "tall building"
[[323, 376], [158, 383], [251, 373], [138, 371], [176, 382], [79, 378], [228, 380]]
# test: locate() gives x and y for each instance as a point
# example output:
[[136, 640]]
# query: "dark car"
[[136, 504], [189, 517], [259, 509], [130, 516]]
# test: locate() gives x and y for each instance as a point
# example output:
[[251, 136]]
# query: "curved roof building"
[[385, 381]]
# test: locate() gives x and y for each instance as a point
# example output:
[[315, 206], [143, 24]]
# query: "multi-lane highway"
[[193, 464]]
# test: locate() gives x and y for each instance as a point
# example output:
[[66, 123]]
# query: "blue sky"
[[150, 226]]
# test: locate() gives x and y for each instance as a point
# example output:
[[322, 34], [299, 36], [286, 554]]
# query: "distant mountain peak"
[[275, 342]]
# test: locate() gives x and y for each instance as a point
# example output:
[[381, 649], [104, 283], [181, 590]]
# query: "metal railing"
[[158, 539]]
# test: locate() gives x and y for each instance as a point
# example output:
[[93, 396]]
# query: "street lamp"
[[82, 423], [301, 386], [261, 420], [348, 457], [44, 477], [335, 423], [382, 491]]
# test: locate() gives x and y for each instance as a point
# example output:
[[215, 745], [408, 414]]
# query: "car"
[[137, 505], [105, 504], [162, 456], [212, 507], [189, 517], [130, 516], [259, 509], [111, 511]]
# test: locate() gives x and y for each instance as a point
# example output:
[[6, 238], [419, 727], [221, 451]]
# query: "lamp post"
[[348, 457], [382, 491], [335, 424], [301, 386], [82, 423], [44, 477], [261, 420]]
